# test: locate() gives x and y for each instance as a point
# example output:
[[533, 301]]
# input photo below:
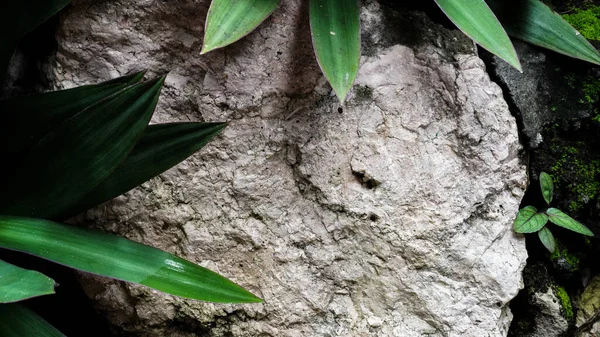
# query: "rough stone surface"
[[550, 322], [548, 89], [588, 304], [391, 217]]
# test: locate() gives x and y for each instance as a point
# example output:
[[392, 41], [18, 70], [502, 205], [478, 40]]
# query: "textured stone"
[[550, 322], [389, 217], [588, 304], [549, 89]]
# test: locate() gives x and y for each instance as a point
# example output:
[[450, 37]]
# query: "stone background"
[[389, 216]]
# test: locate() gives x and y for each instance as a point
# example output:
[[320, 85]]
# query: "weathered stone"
[[391, 217], [550, 88], [551, 321], [588, 304]]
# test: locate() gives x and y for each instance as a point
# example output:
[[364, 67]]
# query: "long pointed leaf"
[[18, 321], [161, 147], [547, 239], [559, 218], [25, 120], [335, 30], [83, 151], [230, 20], [20, 17], [35, 12], [478, 22], [528, 220], [116, 257], [534, 22], [17, 284], [547, 187]]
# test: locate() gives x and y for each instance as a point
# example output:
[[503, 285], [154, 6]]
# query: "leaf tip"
[[205, 49]]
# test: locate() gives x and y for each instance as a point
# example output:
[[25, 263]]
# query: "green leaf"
[[18, 321], [25, 120], [547, 239], [35, 12], [547, 186], [559, 218], [119, 258], [20, 17], [528, 220], [335, 30], [534, 22], [161, 147], [79, 154], [478, 22], [17, 284], [230, 20]]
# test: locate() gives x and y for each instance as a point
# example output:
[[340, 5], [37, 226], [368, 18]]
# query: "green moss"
[[571, 80], [565, 302], [561, 253], [586, 186], [586, 21], [591, 89]]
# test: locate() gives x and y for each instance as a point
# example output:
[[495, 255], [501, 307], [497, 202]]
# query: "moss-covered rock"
[[586, 21], [588, 304], [566, 306]]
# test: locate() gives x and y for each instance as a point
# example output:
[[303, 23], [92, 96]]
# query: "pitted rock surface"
[[388, 217]]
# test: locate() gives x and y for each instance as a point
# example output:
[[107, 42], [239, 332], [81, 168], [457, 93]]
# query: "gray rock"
[[588, 308], [391, 217], [550, 322], [547, 90]]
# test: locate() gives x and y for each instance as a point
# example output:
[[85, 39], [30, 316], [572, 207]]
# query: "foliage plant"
[[66, 151], [530, 220], [335, 30]]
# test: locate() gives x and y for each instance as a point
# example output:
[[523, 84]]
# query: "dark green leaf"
[[534, 22], [559, 218], [18, 321], [25, 120], [116, 257], [547, 239], [547, 186], [335, 29], [79, 154], [230, 20], [35, 12], [161, 147], [478, 22], [18, 18], [528, 220], [17, 284]]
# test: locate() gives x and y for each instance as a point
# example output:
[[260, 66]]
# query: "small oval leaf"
[[559, 218], [478, 22], [18, 321], [335, 30], [547, 239], [534, 22], [547, 186], [113, 256], [528, 220], [17, 284], [229, 20]]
